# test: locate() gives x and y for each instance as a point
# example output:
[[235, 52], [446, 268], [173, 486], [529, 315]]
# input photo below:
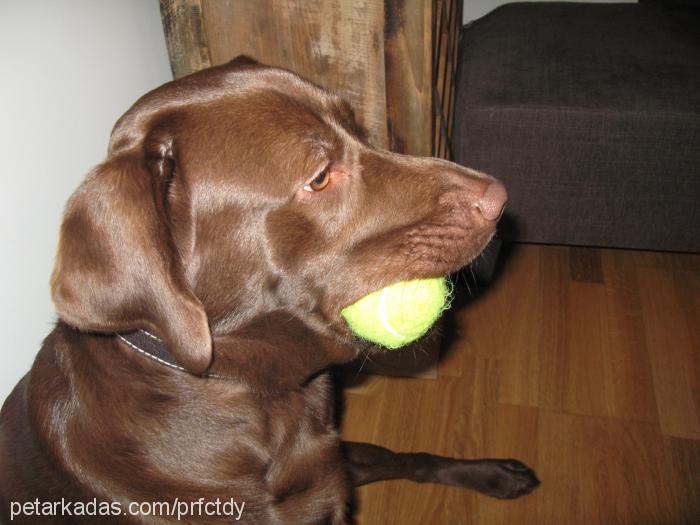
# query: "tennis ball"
[[399, 313]]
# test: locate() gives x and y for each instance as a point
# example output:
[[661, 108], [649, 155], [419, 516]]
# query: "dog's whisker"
[[362, 365]]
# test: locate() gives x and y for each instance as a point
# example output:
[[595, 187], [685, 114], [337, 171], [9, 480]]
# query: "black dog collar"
[[149, 345], [154, 348]]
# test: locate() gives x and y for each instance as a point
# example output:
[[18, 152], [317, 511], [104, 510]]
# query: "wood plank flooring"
[[583, 363]]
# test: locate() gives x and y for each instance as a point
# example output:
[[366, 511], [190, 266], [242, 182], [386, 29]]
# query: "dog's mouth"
[[422, 255]]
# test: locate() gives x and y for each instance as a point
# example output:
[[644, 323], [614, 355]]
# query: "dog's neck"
[[259, 356]]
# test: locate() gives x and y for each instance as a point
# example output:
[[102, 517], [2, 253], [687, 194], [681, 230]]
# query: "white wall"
[[474, 9], [70, 69]]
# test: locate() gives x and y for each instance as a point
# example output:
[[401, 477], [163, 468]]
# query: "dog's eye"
[[320, 181]]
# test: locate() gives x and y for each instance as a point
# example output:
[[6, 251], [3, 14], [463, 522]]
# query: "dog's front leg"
[[500, 478]]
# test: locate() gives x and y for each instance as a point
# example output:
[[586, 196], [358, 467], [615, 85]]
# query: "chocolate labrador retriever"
[[200, 273]]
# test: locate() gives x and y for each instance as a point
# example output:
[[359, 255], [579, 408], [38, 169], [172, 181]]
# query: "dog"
[[199, 278]]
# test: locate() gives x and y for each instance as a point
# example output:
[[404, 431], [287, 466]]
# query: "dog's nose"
[[493, 201]]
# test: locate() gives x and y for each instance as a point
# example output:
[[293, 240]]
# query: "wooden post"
[[184, 36], [407, 75], [377, 54]]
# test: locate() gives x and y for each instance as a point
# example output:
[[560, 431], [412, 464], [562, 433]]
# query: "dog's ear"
[[120, 261]]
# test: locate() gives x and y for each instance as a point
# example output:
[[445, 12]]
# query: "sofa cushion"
[[590, 114]]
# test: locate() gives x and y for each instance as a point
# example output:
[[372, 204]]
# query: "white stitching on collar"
[[132, 345], [162, 361]]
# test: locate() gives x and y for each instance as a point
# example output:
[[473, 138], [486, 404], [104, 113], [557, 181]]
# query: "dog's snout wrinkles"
[[493, 201]]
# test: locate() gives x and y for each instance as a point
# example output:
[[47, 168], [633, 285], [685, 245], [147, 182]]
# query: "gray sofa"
[[590, 114]]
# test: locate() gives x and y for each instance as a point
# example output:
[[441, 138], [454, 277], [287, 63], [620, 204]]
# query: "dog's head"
[[244, 190]]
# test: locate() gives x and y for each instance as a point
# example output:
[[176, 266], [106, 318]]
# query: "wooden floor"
[[583, 363]]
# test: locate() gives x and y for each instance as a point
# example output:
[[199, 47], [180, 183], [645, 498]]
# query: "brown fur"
[[197, 228]]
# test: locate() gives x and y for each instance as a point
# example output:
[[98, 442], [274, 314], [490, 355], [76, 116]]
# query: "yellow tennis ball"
[[400, 313]]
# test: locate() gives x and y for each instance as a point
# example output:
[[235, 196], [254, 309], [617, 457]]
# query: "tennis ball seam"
[[383, 313]]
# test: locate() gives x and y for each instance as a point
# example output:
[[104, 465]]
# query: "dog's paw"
[[499, 478], [507, 479]]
